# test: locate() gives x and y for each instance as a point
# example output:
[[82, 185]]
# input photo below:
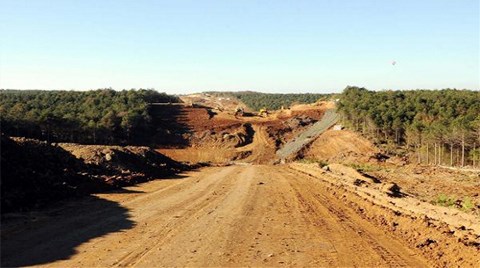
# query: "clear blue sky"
[[272, 46]]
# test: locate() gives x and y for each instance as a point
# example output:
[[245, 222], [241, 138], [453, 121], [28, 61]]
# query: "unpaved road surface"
[[252, 215]]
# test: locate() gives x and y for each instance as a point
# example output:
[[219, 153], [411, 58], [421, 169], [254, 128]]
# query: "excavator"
[[239, 111], [263, 112]]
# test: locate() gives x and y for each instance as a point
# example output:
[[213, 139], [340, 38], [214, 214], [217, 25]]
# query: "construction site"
[[230, 186]]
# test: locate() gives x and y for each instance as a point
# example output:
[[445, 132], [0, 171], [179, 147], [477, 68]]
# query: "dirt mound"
[[35, 173], [124, 165], [339, 146], [234, 136], [350, 172], [216, 145], [436, 185], [446, 235], [315, 110]]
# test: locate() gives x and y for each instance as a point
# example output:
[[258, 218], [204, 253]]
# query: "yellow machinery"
[[263, 112]]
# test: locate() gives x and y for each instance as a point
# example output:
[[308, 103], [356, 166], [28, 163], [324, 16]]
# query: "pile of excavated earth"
[[35, 173]]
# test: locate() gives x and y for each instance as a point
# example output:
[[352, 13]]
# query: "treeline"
[[441, 126], [103, 116], [272, 101]]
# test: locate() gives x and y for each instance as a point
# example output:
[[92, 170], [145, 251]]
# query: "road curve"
[[220, 216]]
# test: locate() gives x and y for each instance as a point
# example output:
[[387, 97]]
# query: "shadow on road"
[[37, 175], [45, 237]]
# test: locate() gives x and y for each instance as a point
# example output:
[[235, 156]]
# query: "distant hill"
[[272, 101]]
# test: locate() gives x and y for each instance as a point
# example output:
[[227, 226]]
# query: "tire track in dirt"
[[275, 231], [166, 218], [262, 147], [363, 237], [185, 212], [202, 242]]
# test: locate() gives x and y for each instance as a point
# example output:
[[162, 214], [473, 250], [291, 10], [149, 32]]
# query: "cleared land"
[[340, 202]]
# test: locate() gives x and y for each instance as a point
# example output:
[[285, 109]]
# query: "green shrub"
[[364, 167], [321, 163], [445, 200], [467, 204]]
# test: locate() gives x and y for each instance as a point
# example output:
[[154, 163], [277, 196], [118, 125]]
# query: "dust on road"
[[254, 215]]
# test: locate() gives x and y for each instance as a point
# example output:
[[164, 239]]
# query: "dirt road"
[[220, 216]]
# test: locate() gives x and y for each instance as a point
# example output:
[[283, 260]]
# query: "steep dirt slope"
[[220, 137], [433, 184], [339, 145]]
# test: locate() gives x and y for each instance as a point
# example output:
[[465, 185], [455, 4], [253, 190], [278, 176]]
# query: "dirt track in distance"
[[253, 215]]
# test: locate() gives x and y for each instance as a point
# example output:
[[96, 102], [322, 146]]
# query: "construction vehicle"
[[263, 112], [239, 111]]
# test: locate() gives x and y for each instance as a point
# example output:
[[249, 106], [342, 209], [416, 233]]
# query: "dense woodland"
[[103, 116], [257, 100], [442, 127]]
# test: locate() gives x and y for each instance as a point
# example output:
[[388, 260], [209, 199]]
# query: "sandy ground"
[[244, 215]]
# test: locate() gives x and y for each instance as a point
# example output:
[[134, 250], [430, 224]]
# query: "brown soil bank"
[[219, 136], [447, 237], [444, 187], [338, 146], [124, 165], [433, 184], [36, 173]]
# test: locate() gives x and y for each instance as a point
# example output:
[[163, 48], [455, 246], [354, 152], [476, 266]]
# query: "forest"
[[103, 116], [440, 127], [272, 101]]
